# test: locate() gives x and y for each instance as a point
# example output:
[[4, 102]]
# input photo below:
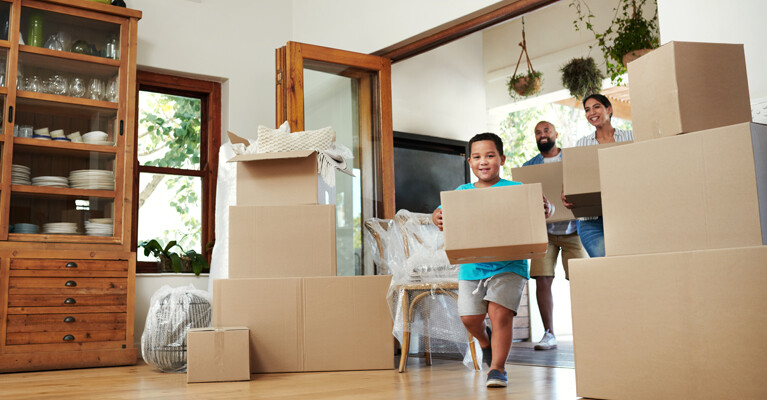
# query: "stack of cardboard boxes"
[[675, 310], [282, 267]]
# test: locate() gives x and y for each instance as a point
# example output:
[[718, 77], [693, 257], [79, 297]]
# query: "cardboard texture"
[[550, 177], [702, 190], [280, 179], [282, 241], [494, 224], [685, 325], [580, 178], [217, 354], [310, 324], [685, 87]]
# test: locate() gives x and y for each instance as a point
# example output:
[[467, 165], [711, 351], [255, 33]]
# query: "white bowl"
[[42, 131], [58, 133], [95, 135]]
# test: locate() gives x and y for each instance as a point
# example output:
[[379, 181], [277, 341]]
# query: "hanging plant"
[[582, 77], [524, 84], [628, 37]]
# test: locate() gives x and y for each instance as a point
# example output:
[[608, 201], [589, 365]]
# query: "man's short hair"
[[486, 136], [546, 122]]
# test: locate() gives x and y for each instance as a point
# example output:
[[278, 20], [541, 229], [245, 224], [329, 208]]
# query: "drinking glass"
[[34, 84], [77, 87], [112, 92], [58, 85], [95, 89]]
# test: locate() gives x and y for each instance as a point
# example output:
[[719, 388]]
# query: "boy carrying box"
[[494, 288]]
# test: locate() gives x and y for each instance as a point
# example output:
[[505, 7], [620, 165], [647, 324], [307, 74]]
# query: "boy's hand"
[[548, 208], [436, 217], [564, 200]]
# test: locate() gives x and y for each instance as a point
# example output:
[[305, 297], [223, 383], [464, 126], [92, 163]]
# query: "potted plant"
[[628, 37], [176, 261], [526, 84], [582, 77]]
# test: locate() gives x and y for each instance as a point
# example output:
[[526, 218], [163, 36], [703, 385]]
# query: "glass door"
[[351, 92]]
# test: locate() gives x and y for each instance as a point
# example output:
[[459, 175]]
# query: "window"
[[177, 141]]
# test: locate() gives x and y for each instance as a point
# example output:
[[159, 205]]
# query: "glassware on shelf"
[[112, 93], [35, 34], [58, 85], [81, 47], [95, 89], [55, 42], [112, 48], [34, 84], [77, 87]]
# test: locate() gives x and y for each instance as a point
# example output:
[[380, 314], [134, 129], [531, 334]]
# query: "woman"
[[599, 111]]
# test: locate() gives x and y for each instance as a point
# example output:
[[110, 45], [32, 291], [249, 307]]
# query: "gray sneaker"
[[548, 342], [496, 378]]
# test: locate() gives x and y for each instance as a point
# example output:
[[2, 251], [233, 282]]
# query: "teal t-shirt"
[[476, 271]]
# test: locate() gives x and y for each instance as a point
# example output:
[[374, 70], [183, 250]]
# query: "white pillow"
[[272, 141]]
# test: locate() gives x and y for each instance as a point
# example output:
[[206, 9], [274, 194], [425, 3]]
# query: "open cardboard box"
[[550, 177], [580, 178]]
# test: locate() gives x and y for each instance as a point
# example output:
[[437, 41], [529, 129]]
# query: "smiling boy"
[[494, 288]]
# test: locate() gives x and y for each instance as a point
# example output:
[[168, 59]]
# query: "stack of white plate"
[[96, 137], [92, 179], [52, 181], [99, 227], [20, 175], [25, 228], [60, 228]]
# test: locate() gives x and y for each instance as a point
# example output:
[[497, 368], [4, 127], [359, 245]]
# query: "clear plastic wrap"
[[411, 249], [172, 312]]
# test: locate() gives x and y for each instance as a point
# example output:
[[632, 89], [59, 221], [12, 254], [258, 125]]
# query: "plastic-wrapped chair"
[[172, 312]]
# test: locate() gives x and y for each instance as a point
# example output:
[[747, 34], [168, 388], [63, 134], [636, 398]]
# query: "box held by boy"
[[217, 354], [494, 224], [683, 325], [701, 190], [580, 178], [550, 177], [310, 324], [685, 87], [282, 241]]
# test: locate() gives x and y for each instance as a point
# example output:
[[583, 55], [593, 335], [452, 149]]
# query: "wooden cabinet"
[[68, 104]]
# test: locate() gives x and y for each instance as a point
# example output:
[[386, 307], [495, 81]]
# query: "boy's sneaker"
[[496, 378], [548, 342], [487, 353]]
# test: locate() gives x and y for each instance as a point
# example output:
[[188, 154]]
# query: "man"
[[562, 236]]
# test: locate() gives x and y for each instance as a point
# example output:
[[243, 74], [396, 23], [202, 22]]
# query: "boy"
[[493, 288]]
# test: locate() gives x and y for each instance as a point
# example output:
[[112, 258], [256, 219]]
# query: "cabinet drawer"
[[47, 267], [67, 285], [63, 337], [73, 300], [72, 322]]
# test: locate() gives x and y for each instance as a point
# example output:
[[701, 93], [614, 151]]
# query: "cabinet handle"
[[69, 319], [10, 114], [71, 264], [122, 126], [70, 283], [70, 300], [68, 338]]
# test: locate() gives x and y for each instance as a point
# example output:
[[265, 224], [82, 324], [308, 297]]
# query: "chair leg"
[[405, 350], [426, 340], [473, 353], [405, 300]]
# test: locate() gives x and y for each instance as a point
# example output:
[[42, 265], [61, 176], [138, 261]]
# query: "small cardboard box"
[[310, 324], [494, 224], [282, 241], [580, 178], [686, 325], [217, 354], [550, 176], [701, 190], [685, 87]]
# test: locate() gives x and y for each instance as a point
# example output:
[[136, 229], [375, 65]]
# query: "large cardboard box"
[[494, 224], [580, 178], [550, 177], [282, 241], [217, 354], [685, 87], [310, 324], [686, 325], [702, 190]]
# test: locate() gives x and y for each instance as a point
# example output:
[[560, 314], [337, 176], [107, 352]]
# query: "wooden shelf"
[[91, 61], [56, 148], [61, 193], [23, 97], [47, 237]]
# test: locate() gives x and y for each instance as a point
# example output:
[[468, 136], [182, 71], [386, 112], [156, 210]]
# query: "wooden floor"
[[445, 379]]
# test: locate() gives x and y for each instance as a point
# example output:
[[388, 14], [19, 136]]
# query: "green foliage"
[[195, 259], [524, 84], [518, 134], [582, 77], [628, 31]]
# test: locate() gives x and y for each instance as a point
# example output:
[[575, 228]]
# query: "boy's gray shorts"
[[505, 289]]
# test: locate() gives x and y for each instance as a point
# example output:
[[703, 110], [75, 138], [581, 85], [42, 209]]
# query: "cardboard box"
[[580, 178], [217, 354], [702, 190], [550, 177], [310, 324], [686, 325], [282, 241], [685, 87], [494, 224]]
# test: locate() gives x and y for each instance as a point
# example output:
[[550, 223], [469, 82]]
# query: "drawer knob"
[[71, 264], [69, 319], [68, 338], [70, 300], [70, 283]]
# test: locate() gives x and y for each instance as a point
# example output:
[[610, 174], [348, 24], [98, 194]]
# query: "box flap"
[[272, 156], [237, 139]]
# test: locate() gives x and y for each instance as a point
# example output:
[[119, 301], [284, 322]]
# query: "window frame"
[[209, 93]]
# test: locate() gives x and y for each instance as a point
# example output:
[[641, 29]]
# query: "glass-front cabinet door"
[[63, 102]]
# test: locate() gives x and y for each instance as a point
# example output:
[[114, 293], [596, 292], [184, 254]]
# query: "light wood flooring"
[[445, 379]]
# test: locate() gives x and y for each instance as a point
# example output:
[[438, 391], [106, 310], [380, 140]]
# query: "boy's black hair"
[[486, 136], [600, 98]]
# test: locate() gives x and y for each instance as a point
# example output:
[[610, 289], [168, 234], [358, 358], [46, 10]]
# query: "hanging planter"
[[524, 84], [582, 77]]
